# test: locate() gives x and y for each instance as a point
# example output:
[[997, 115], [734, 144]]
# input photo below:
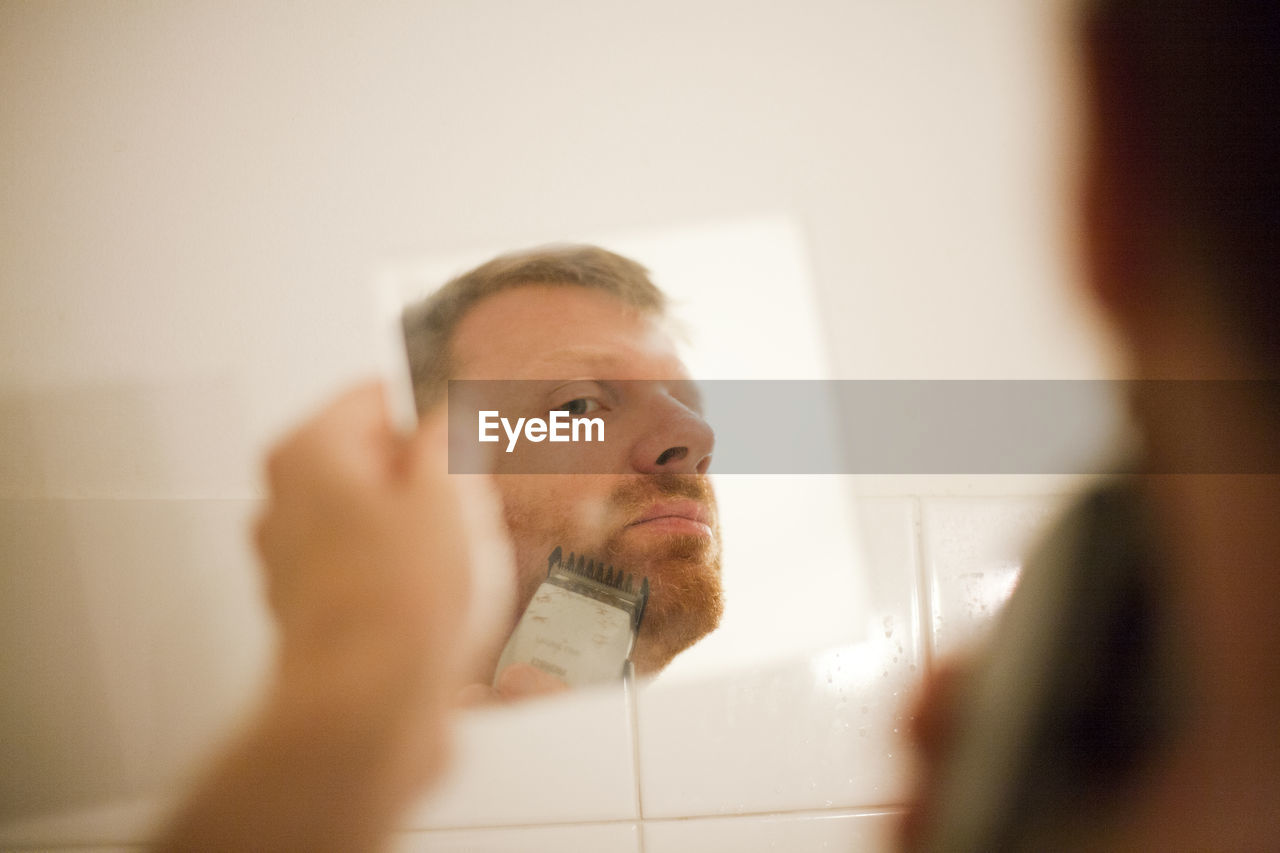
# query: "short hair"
[[1194, 89], [429, 325]]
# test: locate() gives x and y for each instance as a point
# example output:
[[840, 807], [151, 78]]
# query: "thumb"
[[522, 680]]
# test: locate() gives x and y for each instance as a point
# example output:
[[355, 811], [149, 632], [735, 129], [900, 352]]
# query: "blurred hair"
[[430, 324], [1193, 87]]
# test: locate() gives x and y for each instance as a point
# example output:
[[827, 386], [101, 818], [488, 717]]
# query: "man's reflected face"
[[643, 501]]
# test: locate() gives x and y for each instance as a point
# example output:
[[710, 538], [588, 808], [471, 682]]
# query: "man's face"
[[643, 502]]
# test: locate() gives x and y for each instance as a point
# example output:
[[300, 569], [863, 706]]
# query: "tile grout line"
[[834, 811], [633, 709], [924, 597]]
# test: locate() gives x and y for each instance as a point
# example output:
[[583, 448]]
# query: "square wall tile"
[[181, 438], [974, 552], [970, 485], [820, 732], [95, 848], [793, 576], [128, 824], [890, 534], [596, 838], [133, 636], [816, 732], [562, 759], [864, 832]]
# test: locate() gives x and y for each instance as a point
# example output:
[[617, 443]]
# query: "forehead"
[[550, 332]]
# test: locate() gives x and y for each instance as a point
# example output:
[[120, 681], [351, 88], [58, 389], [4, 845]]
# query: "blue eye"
[[580, 406]]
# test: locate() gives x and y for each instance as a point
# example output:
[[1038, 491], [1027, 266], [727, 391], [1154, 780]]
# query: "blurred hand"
[[389, 579], [934, 715], [387, 576]]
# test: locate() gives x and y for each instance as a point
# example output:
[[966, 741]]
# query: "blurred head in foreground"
[[1181, 205]]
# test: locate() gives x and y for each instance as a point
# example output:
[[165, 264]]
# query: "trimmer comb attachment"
[[592, 578]]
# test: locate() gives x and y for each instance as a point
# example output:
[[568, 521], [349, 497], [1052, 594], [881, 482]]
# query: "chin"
[[686, 603]]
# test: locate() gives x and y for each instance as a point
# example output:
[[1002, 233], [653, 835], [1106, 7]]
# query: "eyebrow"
[[599, 358]]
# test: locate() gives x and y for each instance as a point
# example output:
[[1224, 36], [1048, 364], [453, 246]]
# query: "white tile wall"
[[800, 755], [94, 848], [974, 550], [820, 731], [851, 832], [815, 733], [130, 634], [560, 759], [147, 438], [109, 826], [596, 838]]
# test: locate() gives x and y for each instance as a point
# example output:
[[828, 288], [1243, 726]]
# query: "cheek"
[[543, 510], [598, 458]]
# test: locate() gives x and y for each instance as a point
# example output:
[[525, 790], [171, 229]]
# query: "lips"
[[676, 515]]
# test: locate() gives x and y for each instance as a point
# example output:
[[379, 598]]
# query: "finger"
[[346, 440], [362, 404], [466, 455], [522, 680], [490, 556], [477, 696], [492, 564], [935, 709], [427, 448], [265, 540]]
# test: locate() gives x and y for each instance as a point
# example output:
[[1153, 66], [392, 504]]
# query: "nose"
[[677, 440]]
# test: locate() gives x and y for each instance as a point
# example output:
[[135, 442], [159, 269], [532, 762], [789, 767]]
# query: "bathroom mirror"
[[770, 526]]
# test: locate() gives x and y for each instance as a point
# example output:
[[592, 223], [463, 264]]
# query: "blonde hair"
[[429, 325]]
